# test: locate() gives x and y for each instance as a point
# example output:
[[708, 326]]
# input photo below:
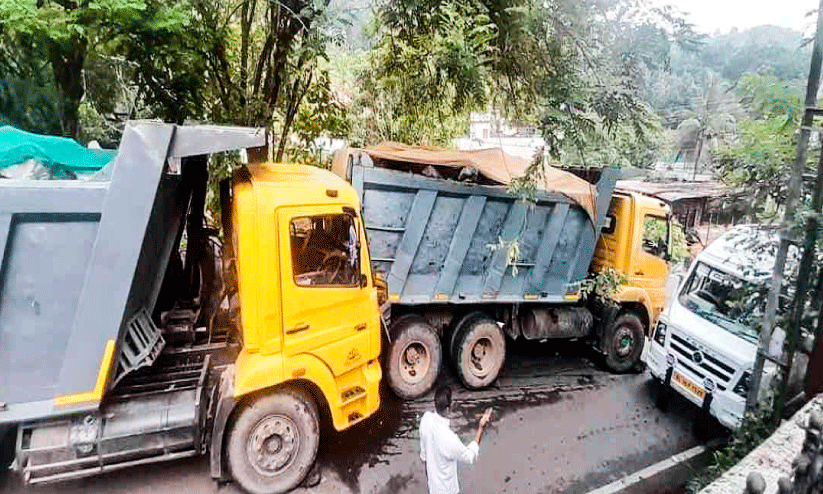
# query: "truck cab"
[[705, 343], [635, 242], [308, 305]]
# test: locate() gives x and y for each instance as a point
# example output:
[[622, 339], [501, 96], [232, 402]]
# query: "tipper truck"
[[440, 225], [123, 341], [131, 333]]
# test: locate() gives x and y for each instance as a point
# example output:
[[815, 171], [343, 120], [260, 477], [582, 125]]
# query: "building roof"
[[671, 191]]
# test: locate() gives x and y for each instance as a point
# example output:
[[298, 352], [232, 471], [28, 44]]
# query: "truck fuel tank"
[[555, 322]]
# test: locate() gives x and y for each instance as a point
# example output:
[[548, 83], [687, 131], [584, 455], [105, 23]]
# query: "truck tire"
[[479, 352], [273, 442], [452, 347], [623, 343], [414, 357]]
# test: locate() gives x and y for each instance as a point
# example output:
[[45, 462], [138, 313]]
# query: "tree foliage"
[[680, 87], [576, 70], [64, 33], [761, 157]]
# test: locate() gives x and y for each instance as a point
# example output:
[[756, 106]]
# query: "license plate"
[[691, 387]]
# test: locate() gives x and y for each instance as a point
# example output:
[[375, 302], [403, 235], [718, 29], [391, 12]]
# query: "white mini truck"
[[705, 341]]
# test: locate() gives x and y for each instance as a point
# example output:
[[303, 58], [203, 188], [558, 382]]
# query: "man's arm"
[[482, 425], [464, 453], [468, 453]]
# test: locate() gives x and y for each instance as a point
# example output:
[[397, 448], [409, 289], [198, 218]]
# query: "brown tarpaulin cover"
[[493, 164]]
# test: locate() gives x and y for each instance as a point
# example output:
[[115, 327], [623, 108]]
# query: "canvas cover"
[[492, 163], [58, 154]]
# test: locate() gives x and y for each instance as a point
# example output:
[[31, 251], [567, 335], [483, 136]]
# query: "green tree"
[[712, 122], [428, 68], [761, 156], [163, 47], [65, 33], [262, 58], [577, 70]]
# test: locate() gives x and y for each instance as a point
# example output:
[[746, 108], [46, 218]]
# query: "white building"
[[489, 129]]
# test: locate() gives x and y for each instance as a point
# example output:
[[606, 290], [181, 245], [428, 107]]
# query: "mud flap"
[[224, 404], [664, 390], [707, 402], [607, 318]]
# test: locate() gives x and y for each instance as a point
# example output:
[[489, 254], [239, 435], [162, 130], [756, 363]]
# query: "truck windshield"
[[725, 300]]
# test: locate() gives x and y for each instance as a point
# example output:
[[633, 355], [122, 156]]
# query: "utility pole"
[[786, 236], [803, 282], [699, 152]]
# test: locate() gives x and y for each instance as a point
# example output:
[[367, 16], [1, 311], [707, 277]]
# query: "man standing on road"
[[441, 449]]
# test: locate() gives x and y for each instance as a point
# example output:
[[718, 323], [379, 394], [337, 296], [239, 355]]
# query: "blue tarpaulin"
[[18, 146]]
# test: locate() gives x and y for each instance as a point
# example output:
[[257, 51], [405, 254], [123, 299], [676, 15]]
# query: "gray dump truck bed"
[[433, 238], [83, 264]]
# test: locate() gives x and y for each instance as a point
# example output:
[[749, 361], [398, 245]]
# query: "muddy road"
[[561, 424]]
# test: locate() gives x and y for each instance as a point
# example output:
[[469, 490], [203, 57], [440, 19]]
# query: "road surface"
[[561, 424]]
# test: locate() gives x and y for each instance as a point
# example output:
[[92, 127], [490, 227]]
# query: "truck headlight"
[[660, 334], [742, 386]]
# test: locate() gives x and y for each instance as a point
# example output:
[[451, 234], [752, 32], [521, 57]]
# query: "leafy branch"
[[604, 286]]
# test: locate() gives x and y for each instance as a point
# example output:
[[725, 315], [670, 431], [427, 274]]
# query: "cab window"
[[324, 250], [655, 235]]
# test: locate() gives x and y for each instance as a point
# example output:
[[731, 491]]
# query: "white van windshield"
[[725, 300]]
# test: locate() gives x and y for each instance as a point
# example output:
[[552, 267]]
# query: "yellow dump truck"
[[132, 334], [469, 265], [123, 344]]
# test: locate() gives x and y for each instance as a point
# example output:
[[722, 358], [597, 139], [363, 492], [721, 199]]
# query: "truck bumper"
[[724, 405]]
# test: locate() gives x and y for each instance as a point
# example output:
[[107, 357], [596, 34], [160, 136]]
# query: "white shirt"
[[441, 449]]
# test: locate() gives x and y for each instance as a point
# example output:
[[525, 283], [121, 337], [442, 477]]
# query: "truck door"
[[650, 269], [326, 311]]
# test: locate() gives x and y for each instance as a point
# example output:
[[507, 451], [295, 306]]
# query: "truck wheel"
[[623, 343], [273, 442], [480, 349], [414, 357], [452, 339]]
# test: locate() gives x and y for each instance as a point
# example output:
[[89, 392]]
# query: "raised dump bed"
[[440, 241], [83, 263], [467, 263]]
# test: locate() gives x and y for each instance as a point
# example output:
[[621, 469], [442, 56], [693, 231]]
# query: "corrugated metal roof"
[[671, 191]]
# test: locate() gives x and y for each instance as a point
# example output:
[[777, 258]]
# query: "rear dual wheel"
[[414, 357], [478, 350]]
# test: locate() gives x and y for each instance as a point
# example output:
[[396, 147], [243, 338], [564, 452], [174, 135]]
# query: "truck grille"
[[700, 362]]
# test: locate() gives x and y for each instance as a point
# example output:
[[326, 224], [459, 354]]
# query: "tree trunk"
[[67, 66]]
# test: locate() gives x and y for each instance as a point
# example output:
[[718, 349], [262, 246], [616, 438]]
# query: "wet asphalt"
[[561, 424]]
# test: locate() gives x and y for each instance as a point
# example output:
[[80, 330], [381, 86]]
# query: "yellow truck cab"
[[635, 242], [308, 314], [308, 304]]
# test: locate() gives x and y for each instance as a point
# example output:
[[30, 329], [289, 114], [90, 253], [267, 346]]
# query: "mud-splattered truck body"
[[444, 247]]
